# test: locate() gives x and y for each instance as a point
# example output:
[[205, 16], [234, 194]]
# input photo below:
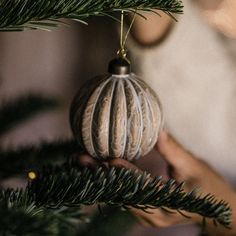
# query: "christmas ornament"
[[116, 115]]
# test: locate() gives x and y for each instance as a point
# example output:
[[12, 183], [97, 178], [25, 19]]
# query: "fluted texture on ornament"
[[116, 117]]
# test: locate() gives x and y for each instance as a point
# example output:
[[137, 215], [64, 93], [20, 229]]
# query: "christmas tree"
[[51, 203]]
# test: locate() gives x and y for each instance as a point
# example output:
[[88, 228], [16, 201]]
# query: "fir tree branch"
[[17, 111], [17, 15], [22, 217], [71, 185], [23, 159]]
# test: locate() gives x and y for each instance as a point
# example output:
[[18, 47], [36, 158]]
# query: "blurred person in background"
[[192, 67]]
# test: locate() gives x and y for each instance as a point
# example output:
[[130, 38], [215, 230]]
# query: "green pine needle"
[[18, 15], [71, 185], [21, 217]]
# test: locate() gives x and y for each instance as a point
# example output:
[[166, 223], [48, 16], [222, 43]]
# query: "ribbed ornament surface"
[[116, 117]]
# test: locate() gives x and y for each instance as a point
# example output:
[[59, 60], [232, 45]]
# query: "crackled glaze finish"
[[116, 117]]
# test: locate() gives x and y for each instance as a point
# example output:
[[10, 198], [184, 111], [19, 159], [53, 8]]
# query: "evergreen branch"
[[14, 112], [23, 159], [17, 15], [71, 185], [18, 207]]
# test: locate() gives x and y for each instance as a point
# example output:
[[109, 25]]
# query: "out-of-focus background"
[[54, 63]]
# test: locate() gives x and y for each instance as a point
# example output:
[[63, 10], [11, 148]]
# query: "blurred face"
[[221, 14]]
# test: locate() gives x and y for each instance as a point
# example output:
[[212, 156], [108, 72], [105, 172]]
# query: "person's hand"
[[220, 14], [184, 167], [146, 32]]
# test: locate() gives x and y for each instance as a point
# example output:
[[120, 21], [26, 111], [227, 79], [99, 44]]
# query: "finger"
[[144, 218], [121, 163], [143, 221], [159, 218], [87, 161], [152, 213], [172, 151]]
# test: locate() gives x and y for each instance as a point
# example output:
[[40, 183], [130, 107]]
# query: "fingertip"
[[172, 151], [85, 160], [169, 148], [121, 163], [162, 141], [116, 162]]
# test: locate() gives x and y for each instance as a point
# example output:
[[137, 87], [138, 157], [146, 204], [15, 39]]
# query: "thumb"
[[173, 152]]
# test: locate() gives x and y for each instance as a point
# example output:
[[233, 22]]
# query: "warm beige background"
[[54, 63]]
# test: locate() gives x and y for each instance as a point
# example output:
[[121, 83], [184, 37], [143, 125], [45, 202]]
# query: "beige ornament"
[[116, 115]]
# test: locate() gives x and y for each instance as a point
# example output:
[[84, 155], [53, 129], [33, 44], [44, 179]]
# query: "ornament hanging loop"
[[122, 52]]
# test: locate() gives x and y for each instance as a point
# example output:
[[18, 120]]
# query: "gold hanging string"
[[130, 27], [122, 51], [121, 29]]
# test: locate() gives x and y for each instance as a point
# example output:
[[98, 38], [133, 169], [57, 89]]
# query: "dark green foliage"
[[23, 159], [20, 216], [18, 207], [17, 15], [30, 220], [111, 221], [19, 110], [71, 185]]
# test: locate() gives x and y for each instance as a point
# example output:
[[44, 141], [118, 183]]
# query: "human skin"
[[220, 14], [184, 167], [150, 31]]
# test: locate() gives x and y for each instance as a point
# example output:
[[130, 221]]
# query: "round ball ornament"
[[116, 115]]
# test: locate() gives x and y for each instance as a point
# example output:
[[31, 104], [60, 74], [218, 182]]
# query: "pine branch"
[[17, 111], [22, 217], [23, 159], [70, 185], [17, 207], [17, 15]]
